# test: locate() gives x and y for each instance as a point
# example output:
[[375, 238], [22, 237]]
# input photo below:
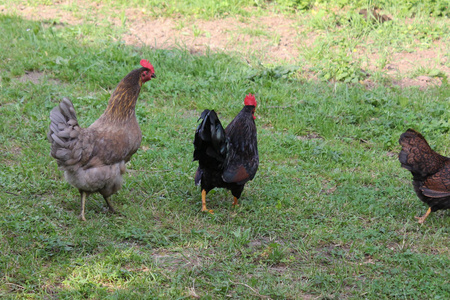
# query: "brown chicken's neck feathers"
[[122, 103]]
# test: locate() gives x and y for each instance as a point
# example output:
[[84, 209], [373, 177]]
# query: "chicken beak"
[[153, 75]]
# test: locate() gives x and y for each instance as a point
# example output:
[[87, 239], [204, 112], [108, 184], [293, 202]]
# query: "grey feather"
[[53, 127], [65, 109], [74, 134], [77, 153], [56, 116], [63, 154], [57, 140], [72, 122], [61, 126]]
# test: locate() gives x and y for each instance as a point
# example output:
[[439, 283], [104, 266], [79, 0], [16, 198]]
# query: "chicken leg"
[[111, 208], [83, 202], [422, 218], [204, 203], [235, 201], [204, 200]]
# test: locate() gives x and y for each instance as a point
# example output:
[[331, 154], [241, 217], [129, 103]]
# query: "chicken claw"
[[204, 203], [208, 210], [422, 218]]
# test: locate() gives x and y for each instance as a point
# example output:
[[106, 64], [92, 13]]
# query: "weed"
[[196, 31]]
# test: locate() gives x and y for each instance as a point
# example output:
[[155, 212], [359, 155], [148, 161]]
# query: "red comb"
[[250, 100], [146, 64]]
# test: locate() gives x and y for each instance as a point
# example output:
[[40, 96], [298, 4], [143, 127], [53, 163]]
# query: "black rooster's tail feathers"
[[210, 143]]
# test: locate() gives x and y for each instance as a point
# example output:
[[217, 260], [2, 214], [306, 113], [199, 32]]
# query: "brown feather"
[[430, 170]]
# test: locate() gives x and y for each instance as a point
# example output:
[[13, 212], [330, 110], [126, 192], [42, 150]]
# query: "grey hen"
[[93, 159]]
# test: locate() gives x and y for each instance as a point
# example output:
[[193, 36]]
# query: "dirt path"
[[272, 39]]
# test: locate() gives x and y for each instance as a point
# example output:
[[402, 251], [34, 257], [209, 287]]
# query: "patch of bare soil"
[[272, 39], [36, 77]]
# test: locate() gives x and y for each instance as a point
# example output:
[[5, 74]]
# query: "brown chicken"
[[431, 171], [93, 159], [373, 16], [227, 158]]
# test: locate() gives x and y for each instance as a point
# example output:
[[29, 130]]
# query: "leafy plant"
[[339, 67], [272, 73]]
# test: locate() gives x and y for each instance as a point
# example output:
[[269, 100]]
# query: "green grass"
[[330, 213]]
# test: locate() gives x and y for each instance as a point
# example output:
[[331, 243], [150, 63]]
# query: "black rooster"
[[227, 158]]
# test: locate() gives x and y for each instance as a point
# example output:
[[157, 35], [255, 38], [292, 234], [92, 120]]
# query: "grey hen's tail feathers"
[[63, 134]]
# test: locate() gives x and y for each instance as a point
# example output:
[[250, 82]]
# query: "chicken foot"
[[235, 201], [204, 203], [83, 202], [111, 208], [422, 218]]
